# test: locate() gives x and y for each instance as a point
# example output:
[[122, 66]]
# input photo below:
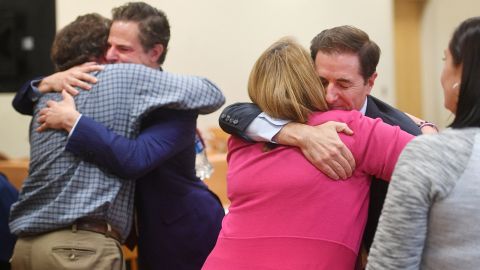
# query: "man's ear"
[[371, 81], [156, 52]]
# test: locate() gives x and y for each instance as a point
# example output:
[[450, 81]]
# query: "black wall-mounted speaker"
[[27, 29]]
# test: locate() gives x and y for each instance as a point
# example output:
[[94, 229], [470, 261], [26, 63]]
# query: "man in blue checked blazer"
[[131, 133]]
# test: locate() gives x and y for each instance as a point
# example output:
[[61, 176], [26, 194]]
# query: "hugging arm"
[[321, 145], [166, 132], [381, 144], [236, 118], [67, 80], [25, 98], [215, 98], [425, 126], [170, 131]]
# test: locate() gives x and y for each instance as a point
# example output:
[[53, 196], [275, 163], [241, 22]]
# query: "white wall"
[[13, 129], [221, 39], [439, 22]]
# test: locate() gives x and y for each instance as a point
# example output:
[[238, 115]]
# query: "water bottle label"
[[198, 145]]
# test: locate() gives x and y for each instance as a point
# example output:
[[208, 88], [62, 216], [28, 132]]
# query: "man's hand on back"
[[322, 146], [425, 126], [69, 79], [59, 115]]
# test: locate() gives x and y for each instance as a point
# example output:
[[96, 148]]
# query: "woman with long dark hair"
[[430, 217]]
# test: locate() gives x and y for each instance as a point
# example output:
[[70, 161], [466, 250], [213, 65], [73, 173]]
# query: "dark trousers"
[[4, 265]]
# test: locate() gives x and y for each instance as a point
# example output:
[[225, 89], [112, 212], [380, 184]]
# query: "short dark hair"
[[153, 26], [465, 49], [348, 39], [83, 40]]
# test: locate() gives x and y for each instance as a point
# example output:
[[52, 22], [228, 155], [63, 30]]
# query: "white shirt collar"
[[363, 110]]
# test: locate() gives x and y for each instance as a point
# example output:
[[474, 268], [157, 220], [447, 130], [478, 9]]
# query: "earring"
[[455, 85]]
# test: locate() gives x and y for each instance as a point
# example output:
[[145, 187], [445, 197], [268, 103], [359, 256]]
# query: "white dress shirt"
[[264, 127]]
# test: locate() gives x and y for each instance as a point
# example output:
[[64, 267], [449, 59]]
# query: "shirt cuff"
[[35, 94], [74, 125], [263, 128]]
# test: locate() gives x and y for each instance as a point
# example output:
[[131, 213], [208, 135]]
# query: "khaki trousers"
[[66, 249]]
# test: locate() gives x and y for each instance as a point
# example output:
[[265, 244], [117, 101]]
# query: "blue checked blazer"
[[61, 187]]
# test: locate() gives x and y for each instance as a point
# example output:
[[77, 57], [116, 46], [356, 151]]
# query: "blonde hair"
[[283, 82]]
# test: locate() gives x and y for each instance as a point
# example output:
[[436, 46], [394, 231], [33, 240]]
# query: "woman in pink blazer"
[[284, 213]]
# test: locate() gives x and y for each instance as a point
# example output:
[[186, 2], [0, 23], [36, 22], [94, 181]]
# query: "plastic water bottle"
[[203, 167]]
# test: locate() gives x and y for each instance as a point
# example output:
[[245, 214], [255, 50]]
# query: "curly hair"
[[83, 40]]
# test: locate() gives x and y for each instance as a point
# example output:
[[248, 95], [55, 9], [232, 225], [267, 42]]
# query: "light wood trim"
[[407, 43], [15, 170], [130, 257]]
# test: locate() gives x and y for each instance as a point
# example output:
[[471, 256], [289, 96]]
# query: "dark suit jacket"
[[178, 217], [8, 195], [22, 102], [235, 119], [378, 189]]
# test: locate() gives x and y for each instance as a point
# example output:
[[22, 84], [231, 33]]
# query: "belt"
[[97, 226]]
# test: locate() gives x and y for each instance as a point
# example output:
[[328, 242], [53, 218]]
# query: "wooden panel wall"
[[408, 83]]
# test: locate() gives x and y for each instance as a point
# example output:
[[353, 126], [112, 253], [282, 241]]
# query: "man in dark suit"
[[346, 60], [178, 216]]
